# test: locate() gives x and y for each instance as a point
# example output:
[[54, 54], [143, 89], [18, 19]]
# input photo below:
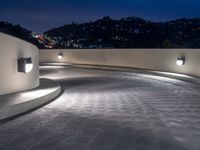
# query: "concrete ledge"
[[183, 77], [18, 103]]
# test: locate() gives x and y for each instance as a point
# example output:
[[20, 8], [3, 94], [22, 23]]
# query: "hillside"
[[18, 31], [130, 32]]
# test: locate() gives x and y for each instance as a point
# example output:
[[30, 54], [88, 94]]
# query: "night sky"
[[41, 15]]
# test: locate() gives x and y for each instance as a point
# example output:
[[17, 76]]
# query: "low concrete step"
[[18, 103]]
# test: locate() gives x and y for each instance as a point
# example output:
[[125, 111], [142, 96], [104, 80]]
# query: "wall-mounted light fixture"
[[60, 55], [180, 61], [25, 65]]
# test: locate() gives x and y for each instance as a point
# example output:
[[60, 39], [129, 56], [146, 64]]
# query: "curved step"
[[18, 103]]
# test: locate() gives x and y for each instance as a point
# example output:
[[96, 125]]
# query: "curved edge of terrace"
[[12, 105], [151, 59]]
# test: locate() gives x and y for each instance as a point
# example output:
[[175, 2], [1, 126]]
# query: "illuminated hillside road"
[[109, 110]]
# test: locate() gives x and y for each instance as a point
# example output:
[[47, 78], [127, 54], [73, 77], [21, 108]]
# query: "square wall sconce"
[[180, 61], [60, 55], [25, 65]]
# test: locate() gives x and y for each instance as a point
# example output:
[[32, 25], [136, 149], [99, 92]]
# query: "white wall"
[[11, 80], [155, 59]]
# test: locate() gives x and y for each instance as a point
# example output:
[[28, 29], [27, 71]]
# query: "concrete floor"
[[110, 110]]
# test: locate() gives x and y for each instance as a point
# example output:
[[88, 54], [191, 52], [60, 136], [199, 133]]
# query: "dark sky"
[[41, 15]]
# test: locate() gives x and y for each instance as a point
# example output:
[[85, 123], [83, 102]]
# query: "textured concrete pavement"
[[110, 110]]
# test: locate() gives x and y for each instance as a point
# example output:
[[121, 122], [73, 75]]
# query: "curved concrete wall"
[[11, 80], [155, 59]]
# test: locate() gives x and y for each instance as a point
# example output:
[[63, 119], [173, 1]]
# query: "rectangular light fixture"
[[60, 55], [25, 65], [180, 61]]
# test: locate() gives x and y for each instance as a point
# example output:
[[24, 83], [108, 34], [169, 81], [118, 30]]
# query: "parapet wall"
[[11, 80], [154, 59]]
